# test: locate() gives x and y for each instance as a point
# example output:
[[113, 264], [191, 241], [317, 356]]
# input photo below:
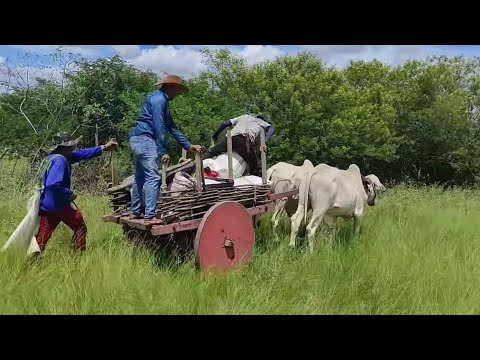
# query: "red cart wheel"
[[225, 238]]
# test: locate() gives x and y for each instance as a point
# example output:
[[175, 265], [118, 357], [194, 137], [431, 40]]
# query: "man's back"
[[145, 125], [248, 125]]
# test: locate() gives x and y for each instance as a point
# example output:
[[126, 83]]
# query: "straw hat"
[[172, 79]]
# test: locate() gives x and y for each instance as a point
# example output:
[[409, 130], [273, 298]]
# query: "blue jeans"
[[147, 164]]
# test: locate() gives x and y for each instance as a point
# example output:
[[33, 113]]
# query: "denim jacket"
[[154, 121]]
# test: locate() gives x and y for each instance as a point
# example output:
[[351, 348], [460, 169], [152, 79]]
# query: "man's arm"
[[269, 133], [55, 177], [86, 154], [175, 131], [90, 153], [222, 126]]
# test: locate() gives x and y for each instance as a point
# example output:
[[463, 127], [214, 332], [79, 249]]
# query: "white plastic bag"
[[182, 182], [23, 238], [248, 180], [242, 180], [220, 164]]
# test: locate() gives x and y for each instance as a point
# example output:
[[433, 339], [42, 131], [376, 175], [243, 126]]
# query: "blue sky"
[[185, 60]]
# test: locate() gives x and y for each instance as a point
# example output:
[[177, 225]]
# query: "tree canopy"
[[415, 122]]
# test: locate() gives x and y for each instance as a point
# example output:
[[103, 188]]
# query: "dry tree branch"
[[23, 113], [17, 75]]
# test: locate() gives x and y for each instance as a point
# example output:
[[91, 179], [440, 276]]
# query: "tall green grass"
[[418, 253]]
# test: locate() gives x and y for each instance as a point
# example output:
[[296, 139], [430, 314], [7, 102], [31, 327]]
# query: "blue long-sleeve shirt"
[[154, 121], [57, 180]]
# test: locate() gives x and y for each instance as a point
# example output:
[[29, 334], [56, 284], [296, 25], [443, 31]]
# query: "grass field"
[[418, 253]]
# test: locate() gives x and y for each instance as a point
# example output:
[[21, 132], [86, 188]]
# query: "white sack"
[[182, 182], [220, 164], [243, 180], [23, 238]]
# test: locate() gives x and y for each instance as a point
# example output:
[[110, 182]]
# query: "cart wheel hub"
[[225, 238], [228, 243]]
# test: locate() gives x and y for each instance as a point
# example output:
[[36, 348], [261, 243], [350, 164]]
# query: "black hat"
[[264, 117], [63, 139]]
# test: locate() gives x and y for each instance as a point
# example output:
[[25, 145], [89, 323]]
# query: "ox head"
[[372, 186]]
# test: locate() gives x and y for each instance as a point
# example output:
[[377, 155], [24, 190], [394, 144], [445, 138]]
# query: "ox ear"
[[366, 181]]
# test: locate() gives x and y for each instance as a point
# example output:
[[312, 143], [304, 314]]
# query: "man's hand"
[[166, 159], [263, 148], [196, 148], [110, 145], [73, 197]]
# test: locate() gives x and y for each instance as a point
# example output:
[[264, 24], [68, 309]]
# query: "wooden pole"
[[199, 171], [114, 165], [183, 158], [164, 176], [96, 133], [264, 157], [229, 154]]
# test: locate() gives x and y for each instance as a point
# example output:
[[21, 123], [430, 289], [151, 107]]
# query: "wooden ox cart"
[[217, 221]]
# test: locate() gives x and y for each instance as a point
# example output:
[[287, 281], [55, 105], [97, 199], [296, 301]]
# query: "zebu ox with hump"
[[331, 193], [286, 177]]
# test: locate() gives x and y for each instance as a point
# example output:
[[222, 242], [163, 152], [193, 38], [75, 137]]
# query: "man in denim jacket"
[[148, 141]]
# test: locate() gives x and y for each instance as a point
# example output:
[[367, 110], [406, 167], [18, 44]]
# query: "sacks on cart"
[[241, 181], [220, 164], [181, 182]]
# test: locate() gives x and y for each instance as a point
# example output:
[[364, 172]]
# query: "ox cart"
[[216, 221]]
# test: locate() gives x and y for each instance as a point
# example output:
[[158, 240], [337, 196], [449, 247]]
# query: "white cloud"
[[341, 55], [257, 53], [84, 50], [199, 47], [169, 59], [127, 51], [187, 60], [19, 75]]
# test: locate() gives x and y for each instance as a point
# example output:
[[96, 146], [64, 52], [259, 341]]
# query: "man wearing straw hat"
[[56, 201], [148, 141]]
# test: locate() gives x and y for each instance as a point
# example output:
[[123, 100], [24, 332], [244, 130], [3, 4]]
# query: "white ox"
[[286, 177], [333, 193]]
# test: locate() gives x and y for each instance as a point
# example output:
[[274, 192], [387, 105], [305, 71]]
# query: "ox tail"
[[270, 172], [308, 180]]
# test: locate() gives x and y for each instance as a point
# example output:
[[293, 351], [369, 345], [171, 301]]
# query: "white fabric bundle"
[[23, 238], [220, 164], [182, 182]]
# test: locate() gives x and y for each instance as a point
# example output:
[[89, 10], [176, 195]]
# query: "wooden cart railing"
[[198, 166]]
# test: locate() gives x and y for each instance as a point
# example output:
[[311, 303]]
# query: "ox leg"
[[312, 227], [295, 225], [276, 217], [331, 221], [356, 226]]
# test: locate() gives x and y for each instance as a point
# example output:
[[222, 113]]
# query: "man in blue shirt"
[[148, 141], [56, 201]]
